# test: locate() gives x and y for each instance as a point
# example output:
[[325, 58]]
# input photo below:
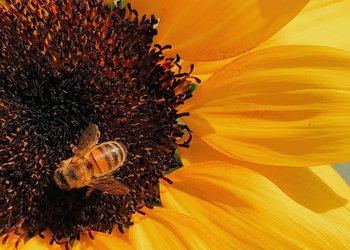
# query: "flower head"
[[67, 64], [260, 119]]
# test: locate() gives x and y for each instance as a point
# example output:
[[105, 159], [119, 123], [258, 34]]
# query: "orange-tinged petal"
[[165, 229], [238, 203], [286, 106], [307, 193], [199, 151], [321, 22], [38, 243], [209, 67], [152, 7], [212, 30], [10, 242], [204, 70], [108, 1], [123, 236], [101, 241]]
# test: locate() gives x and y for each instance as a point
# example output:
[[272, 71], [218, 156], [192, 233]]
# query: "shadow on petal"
[[271, 219], [303, 185], [282, 106], [162, 228]]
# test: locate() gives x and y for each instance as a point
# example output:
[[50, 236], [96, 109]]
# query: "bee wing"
[[89, 138], [108, 184]]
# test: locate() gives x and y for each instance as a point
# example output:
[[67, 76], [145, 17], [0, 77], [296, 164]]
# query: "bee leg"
[[89, 191]]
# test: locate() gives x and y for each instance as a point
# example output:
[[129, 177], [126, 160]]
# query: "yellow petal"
[[204, 70], [199, 151], [123, 236], [309, 194], [101, 241], [320, 189], [209, 67], [165, 229], [249, 211], [335, 182], [10, 242], [211, 30], [152, 7], [286, 106], [38, 243], [322, 22]]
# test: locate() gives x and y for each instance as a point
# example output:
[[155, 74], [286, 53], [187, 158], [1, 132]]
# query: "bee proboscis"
[[93, 165]]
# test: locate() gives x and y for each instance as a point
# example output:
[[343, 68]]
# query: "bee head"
[[70, 175], [60, 179]]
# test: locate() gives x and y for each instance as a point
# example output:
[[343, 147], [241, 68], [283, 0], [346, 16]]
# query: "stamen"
[[120, 228], [141, 212], [52, 241], [183, 114], [167, 180], [4, 240], [20, 238], [149, 206], [90, 234]]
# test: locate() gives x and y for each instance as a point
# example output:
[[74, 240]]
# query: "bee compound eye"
[[60, 180], [56, 174]]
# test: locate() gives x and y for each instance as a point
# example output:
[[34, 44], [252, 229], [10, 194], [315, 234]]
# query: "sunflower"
[[271, 112]]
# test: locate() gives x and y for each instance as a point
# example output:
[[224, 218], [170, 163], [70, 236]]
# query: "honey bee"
[[92, 165]]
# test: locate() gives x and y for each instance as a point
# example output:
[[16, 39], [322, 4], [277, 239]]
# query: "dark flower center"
[[66, 64]]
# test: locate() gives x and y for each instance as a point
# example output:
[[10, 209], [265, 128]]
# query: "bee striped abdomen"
[[106, 157]]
